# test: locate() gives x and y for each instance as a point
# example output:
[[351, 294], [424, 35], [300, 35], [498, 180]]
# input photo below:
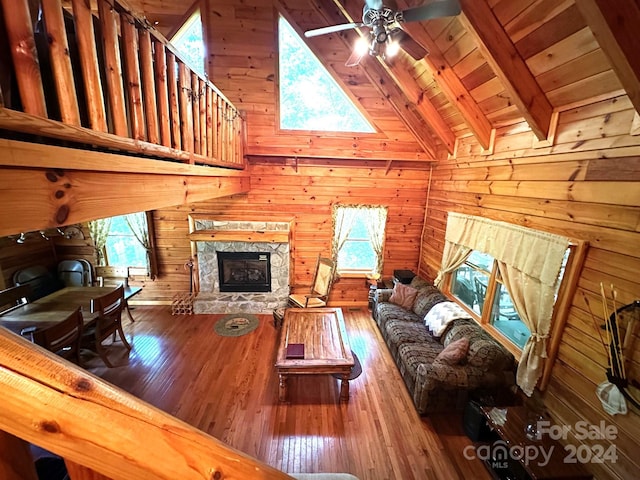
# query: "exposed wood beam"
[[450, 84], [614, 24], [399, 70], [501, 54], [379, 77], [35, 198]]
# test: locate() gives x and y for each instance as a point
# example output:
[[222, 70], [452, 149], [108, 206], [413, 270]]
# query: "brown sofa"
[[436, 386]]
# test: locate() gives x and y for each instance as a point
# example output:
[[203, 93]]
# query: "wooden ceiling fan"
[[384, 21]]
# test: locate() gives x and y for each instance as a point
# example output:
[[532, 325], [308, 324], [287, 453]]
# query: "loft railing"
[[108, 79], [101, 431]]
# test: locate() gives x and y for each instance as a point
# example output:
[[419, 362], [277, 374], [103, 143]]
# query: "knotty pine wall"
[[305, 194], [586, 186]]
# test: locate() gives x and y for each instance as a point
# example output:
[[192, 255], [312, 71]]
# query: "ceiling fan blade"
[[331, 29], [436, 9], [409, 45], [354, 58]]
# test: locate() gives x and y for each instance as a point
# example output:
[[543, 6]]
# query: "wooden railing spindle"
[[219, 126], [148, 85], [25, 57], [16, 462], [162, 91], [173, 101], [186, 108], [157, 106], [61, 62], [202, 98], [195, 108], [113, 67], [85, 36], [210, 116], [132, 71]]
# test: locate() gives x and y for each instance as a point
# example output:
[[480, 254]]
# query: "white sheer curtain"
[[343, 219], [529, 262], [376, 223], [99, 230]]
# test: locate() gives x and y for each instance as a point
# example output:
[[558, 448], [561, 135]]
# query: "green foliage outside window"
[[310, 99]]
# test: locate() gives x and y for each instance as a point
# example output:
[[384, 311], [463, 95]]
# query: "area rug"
[[236, 324], [356, 370]]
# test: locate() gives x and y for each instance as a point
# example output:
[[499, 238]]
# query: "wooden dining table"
[[57, 306]]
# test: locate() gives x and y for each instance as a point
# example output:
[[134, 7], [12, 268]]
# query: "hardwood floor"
[[227, 387]]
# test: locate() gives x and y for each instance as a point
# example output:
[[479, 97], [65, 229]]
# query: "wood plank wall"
[[586, 186], [306, 194]]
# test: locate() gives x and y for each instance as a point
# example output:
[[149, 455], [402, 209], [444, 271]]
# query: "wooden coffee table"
[[326, 347]]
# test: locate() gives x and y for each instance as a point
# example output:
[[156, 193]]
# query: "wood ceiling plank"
[[508, 65], [615, 24], [449, 82], [564, 24]]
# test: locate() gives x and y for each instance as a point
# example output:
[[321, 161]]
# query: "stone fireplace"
[[232, 266]]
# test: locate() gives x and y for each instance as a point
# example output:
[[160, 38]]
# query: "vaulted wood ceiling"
[[499, 62]]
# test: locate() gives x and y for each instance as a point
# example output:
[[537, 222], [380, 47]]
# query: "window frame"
[[566, 291], [175, 36], [135, 243], [358, 272], [338, 83]]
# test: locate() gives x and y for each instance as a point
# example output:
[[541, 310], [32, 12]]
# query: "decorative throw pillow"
[[455, 352], [403, 295]]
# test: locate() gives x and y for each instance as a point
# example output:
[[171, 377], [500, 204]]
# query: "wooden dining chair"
[[13, 297], [112, 277], [63, 338], [108, 323]]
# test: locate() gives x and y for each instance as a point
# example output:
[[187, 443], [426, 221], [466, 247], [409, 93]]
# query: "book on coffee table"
[[295, 350]]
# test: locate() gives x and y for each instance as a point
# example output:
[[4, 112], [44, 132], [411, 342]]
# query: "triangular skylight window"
[[189, 42], [310, 99]]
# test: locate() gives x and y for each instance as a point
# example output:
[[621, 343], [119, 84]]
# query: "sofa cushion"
[[403, 295], [397, 332], [419, 283], [486, 354], [412, 355], [454, 353], [425, 300], [386, 312], [460, 328]]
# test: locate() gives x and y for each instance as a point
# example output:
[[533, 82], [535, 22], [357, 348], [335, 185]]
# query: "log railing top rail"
[[109, 80], [95, 426]]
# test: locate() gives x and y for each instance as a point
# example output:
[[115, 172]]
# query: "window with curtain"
[[510, 278], [126, 241], [478, 284], [358, 238], [122, 246]]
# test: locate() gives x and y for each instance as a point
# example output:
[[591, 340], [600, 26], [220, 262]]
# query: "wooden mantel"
[[239, 236]]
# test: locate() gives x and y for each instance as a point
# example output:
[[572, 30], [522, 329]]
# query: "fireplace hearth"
[[244, 271]]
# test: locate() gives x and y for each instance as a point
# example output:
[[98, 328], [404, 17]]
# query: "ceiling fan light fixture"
[[393, 47], [362, 46]]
